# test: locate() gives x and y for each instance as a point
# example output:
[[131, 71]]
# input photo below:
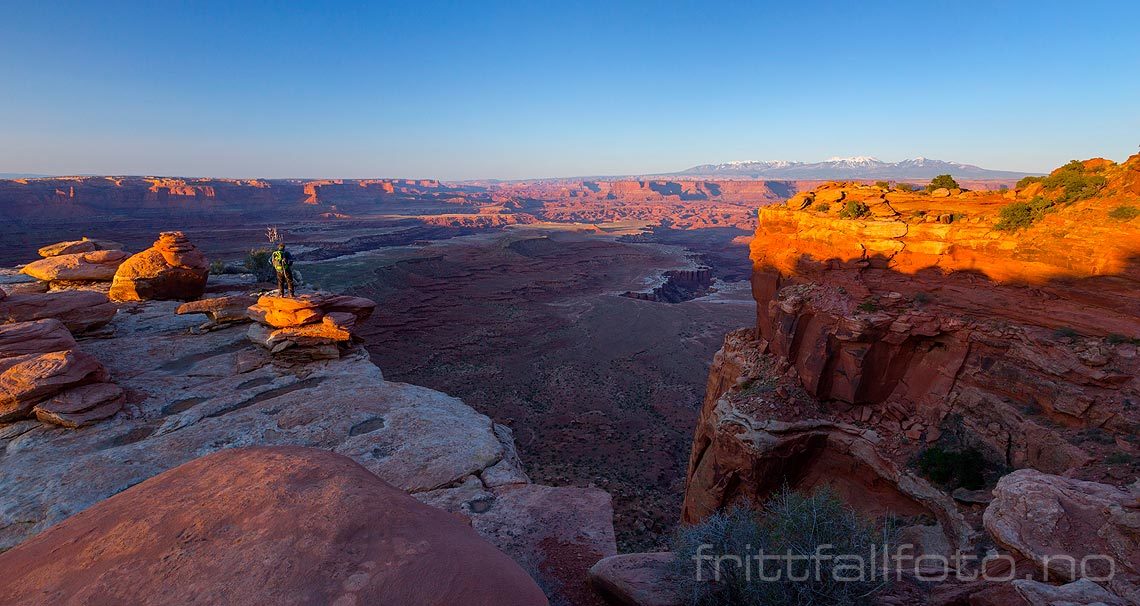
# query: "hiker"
[[283, 265]]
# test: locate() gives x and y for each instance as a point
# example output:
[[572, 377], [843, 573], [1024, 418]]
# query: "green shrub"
[[1026, 182], [789, 524], [941, 181], [905, 187], [869, 306], [1124, 213], [1065, 333], [257, 263], [1075, 183], [953, 468], [823, 207], [217, 267], [883, 184], [1020, 215], [854, 210]]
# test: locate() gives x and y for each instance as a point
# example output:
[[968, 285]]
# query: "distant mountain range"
[[858, 167]]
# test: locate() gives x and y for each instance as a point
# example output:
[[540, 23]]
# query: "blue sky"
[[531, 89]]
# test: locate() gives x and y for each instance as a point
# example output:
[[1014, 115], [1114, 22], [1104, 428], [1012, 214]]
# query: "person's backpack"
[[280, 260]]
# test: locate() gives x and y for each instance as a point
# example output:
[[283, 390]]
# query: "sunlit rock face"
[[892, 325]]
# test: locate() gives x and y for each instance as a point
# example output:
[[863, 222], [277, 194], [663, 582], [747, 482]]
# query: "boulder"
[[95, 266], [637, 579], [35, 337], [220, 309], [28, 379], [1054, 521], [78, 246], [81, 406], [261, 526], [78, 310], [285, 312], [172, 269], [30, 287], [941, 192]]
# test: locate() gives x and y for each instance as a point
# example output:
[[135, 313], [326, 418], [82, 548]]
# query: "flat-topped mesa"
[[173, 268], [310, 326]]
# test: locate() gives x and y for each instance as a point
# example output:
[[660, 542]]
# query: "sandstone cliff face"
[[917, 325]]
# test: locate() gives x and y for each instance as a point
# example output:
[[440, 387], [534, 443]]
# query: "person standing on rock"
[[283, 265]]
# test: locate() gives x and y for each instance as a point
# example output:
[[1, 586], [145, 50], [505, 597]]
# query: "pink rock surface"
[[281, 525]]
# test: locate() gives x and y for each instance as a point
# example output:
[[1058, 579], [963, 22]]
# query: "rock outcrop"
[[188, 393], [173, 268], [94, 266], [264, 525], [307, 327]]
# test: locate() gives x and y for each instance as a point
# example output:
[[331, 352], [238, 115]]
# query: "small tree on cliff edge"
[[942, 181]]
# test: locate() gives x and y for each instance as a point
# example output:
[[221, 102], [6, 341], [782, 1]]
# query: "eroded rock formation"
[[171, 269]]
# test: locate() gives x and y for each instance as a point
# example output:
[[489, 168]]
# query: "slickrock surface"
[[895, 326], [94, 266], [280, 525], [173, 268], [79, 310]]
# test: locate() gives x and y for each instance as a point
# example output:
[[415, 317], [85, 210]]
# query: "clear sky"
[[476, 89]]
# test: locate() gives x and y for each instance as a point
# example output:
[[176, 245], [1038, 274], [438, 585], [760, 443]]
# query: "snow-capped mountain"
[[857, 167]]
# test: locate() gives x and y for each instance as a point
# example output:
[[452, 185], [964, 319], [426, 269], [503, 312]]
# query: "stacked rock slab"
[[83, 260], [172, 269], [312, 326], [72, 247], [79, 310], [42, 373], [94, 266]]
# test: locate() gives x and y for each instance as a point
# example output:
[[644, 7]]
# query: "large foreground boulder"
[[78, 310], [172, 269], [38, 336], [95, 266], [281, 525], [1070, 527]]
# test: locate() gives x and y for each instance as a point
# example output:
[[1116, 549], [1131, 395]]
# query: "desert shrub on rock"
[[1020, 215], [1124, 213], [854, 210], [942, 181], [953, 468], [790, 523], [257, 263]]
